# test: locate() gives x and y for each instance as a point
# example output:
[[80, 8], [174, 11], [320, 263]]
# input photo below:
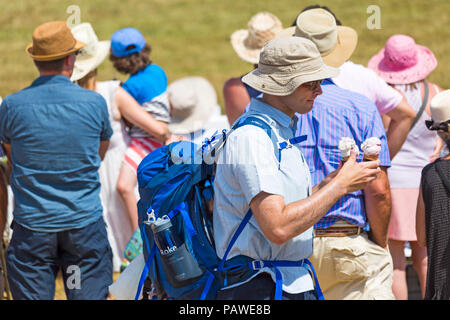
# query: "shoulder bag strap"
[[424, 104]]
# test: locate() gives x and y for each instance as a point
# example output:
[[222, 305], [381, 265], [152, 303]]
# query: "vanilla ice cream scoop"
[[345, 147], [371, 148]]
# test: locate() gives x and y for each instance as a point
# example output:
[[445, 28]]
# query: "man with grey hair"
[[264, 177]]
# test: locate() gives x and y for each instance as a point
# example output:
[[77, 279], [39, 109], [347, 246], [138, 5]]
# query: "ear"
[[69, 60]]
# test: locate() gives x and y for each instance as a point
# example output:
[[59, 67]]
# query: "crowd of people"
[[74, 144]]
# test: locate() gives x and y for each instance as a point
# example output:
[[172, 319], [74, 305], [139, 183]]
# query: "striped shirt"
[[339, 113]]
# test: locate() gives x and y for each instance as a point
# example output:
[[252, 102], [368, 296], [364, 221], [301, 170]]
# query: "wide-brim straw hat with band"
[[193, 101], [52, 41], [402, 61], [285, 63], [262, 27], [92, 55], [336, 43]]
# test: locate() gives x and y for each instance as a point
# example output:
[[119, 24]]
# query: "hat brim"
[[346, 45], [426, 62], [247, 54], [196, 120], [55, 56], [341, 52], [268, 84], [84, 66]]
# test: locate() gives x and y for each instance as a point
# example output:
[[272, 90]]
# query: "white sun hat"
[[92, 55]]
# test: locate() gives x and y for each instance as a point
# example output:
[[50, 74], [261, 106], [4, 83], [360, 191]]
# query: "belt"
[[339, 229]]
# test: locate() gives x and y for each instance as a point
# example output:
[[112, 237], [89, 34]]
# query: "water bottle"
[[180, 266]]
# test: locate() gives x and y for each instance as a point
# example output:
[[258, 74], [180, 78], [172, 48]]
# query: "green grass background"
[[191, 37]]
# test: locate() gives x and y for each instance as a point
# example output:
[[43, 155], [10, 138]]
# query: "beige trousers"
[[352, 268]]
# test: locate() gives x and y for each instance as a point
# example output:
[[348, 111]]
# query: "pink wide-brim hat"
[[402, 61]]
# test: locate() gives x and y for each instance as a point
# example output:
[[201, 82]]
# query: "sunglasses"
[[313, 85], [442, 126]]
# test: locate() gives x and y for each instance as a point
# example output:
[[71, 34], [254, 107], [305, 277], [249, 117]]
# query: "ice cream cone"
[[371, 148], [346, 145]]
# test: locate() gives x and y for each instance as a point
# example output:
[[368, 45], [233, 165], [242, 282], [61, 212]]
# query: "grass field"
[[191, 37]]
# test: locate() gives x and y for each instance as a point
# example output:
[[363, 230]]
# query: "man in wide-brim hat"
[[262, 173], [56, 133]]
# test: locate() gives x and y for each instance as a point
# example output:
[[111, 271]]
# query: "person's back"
[[435, 191], [149, 88], [55, 143], [358, 78], [341, 243], [147, 84], [339, 113], [57, 134]]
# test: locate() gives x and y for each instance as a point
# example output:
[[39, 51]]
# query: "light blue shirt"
[[54, 128], [247, 166]]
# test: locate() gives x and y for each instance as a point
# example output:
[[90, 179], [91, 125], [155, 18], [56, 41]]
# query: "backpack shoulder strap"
[[260, 123]]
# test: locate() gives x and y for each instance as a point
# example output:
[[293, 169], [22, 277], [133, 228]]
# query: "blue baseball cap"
[[127, 41]]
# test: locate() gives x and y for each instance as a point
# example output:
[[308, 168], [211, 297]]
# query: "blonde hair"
[[89, 80]]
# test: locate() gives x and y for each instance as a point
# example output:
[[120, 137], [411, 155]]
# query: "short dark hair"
[[317, 6], [134, 63], [53, 65]]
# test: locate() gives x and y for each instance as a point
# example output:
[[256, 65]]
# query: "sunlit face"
[[302, 99]]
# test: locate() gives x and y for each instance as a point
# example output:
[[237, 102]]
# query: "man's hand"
[[355, 175]]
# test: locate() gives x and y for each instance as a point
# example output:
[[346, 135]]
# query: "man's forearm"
[[377, 198]]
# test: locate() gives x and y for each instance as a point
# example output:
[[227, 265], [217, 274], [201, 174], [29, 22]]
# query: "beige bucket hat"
[[335, 43], [193, 101], [262, 27], [92, 55], [285, 63]]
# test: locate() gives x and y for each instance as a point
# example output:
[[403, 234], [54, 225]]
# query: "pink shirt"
[[356, 77]]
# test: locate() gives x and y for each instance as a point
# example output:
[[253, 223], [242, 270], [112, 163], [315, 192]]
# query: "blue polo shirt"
[[54, 128], [340, 113]]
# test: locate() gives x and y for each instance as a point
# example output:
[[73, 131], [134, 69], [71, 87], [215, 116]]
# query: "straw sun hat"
[[285, 63], [403, 61], [335, 43], [92, 55], [247, 43], [52, 41]]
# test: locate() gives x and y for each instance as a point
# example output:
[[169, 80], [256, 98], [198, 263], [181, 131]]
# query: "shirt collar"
[[51, 80], [328, 81], [256, 105]]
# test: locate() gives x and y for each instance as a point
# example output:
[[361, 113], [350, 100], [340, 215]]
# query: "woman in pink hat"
[[405, 65]]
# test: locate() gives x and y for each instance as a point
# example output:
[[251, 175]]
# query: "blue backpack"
[[176, 187]]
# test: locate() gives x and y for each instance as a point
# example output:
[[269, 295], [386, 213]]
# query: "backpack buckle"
[[150, 217], [257, 264], [284, 145]]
